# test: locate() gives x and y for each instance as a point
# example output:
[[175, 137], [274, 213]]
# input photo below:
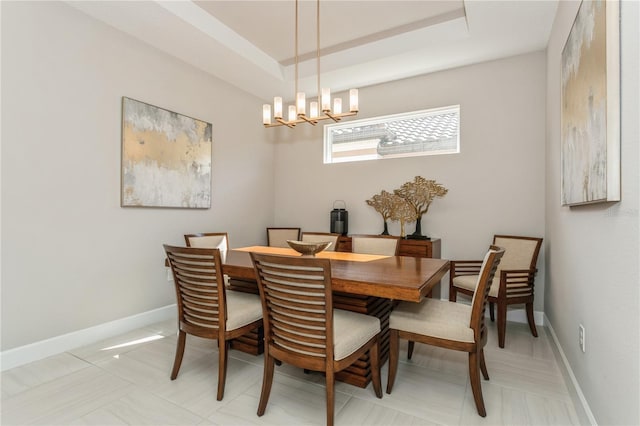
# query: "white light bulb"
[[300, 103], [353, 100], [266, 114], [277, 107], [337, 106], [326, 100]]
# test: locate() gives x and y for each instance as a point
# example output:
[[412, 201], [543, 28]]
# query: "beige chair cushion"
[[372, 245], [352, 330], [435, 318], [209, 241], [279, 237], [242, 309], [469, 282], [518, 253], [318, 238]]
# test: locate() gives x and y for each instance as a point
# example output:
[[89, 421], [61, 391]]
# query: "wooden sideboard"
[[415, 248]]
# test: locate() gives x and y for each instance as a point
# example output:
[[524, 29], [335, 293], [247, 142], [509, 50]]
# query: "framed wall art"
[[590, 110], [166, 158]]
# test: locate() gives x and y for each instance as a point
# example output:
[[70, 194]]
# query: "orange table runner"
[[334, 255]]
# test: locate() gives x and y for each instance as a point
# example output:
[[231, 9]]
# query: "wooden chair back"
[[277, 237], [297, 309], [219, 240], [488, 270], [386, 245], [200, 290], [316, 237], [520, 254]]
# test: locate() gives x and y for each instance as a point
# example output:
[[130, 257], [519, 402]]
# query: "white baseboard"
[[574, 380], [34, 351], [520, 315]]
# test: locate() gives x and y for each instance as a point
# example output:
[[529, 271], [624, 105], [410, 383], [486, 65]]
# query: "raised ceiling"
[[250, 44]]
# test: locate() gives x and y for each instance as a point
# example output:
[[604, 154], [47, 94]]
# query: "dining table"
[[365, 283], [391, 277]]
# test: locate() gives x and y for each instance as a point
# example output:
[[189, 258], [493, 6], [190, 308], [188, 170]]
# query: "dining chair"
[[302, 328], [375, 244], [512, 284], [277, 237], [206, 308], [219, 240], [316, 237], [448, 325]]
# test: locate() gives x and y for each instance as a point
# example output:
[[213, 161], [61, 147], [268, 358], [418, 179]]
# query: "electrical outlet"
[[169, 275], [581, 338]]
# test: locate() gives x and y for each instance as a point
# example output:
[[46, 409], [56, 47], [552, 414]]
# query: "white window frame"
[[368, 148]]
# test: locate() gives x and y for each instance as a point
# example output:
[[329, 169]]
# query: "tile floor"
[[125, 380]]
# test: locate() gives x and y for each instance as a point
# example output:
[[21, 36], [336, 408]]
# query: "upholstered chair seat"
[[466, 281], [351, 331], [242, 309], [433, 317]]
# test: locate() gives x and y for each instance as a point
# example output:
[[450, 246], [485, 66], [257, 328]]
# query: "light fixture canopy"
[[318, 110]]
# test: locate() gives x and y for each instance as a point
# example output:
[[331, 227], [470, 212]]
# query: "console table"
[[414, 248]]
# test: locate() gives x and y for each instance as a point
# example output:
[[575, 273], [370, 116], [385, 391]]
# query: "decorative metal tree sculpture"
[[402, 211], [420, 194], [383, 203]]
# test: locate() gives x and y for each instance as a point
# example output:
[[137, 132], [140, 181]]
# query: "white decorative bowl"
[[308, 248]]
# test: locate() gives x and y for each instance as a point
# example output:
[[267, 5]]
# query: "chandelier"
[[318, 110]]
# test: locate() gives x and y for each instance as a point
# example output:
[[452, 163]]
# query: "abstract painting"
[[590, 111], [166, 158]]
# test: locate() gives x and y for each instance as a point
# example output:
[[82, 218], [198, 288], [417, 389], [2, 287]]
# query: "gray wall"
[[592, 252], [73, 258], [496, 183]]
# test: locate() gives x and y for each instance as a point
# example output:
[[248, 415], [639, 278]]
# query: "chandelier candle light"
[[297, 113]]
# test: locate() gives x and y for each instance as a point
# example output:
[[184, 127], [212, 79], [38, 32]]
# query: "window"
[[412, 134]]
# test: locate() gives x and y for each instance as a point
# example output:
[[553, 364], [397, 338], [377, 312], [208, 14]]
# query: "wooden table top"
[[391, 277]]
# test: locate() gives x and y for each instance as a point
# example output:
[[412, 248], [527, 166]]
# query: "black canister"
[[340, 219]]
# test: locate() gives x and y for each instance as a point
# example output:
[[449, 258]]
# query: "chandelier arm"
[[334, 117], [312, 121], [282, 122]]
